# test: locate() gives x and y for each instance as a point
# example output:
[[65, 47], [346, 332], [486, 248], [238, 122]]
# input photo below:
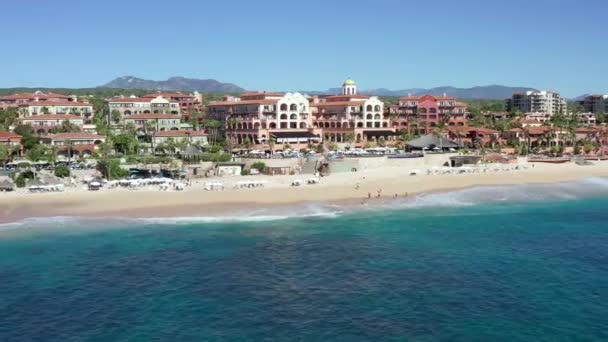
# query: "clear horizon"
[[273, 45]]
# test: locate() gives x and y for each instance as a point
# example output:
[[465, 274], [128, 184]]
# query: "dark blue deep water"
[[534, 271]]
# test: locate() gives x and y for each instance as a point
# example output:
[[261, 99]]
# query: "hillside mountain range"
[[489, 92], [177, 83]]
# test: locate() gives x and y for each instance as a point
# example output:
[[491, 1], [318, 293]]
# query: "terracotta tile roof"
[[472, 129], [32, 96], [530, 121], [337, 104], [243, 102], [44, 117], [538, 129], [59, 103], [5, 136], [587, 130], [75, 136], [131, 99], [427, 97], [344, 97], [180, 133], [151, 116]]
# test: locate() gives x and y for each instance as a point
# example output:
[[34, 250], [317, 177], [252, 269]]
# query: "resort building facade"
[[45, 123], [11, 140], [22, 99], [70, 145], [153, 122], [421, 114], [595, 104], [351, 117], [188, 103], [297, 120], [536, 102], [128, 106], [180, 136], [256, 117]]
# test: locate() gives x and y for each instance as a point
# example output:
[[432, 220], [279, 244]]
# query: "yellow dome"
[[350, 82]]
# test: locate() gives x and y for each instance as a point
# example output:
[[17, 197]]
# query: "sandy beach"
[[340, 187]]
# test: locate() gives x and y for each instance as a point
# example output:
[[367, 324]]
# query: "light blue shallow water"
[[523, 271]]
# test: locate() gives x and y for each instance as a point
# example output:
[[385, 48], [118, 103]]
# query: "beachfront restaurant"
[[229, 169], [295, 137], [432, 142]]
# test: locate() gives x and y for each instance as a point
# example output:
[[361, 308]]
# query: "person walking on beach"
[[369, 195], [379, 193]]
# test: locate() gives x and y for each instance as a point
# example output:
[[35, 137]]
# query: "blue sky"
[[313, 45]]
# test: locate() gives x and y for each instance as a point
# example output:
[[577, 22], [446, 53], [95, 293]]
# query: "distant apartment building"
[[45, 123], [421, 114], [190, 137], [351, 116], [153, 122], [259, 116], [20, 99], [44, 111], [536, 102], [595, 104], [132, 105], [188, 103]]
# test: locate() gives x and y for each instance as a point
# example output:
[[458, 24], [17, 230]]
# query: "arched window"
[[369, 116], [293, 107], [359, 124], [433, 110], [369, 108], [377, 117], [284, 116], [302, 124], [127, 112], [377, 108], [273, 125], [284, 106], [293, 117]]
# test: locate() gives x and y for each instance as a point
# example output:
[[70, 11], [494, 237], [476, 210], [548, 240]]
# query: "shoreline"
[[336, 189]]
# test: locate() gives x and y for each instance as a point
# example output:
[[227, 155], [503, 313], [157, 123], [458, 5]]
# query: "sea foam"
[[477, 195]]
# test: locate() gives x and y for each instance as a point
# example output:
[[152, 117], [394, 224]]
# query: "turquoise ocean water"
[[527, 263]]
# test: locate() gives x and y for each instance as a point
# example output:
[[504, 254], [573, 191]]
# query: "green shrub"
[[110, 169], [245, 172], [20, 181], [259, 166], [62, 171]]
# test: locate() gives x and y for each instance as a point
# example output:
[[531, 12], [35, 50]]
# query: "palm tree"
[[271, 142], [116, 116], [349, 138], [212, 127], [5, 153], [70, 148]]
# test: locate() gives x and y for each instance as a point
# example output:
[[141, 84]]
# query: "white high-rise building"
[[537, 102]]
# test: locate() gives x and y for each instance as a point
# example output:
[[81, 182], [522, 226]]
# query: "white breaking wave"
[[472, 196]]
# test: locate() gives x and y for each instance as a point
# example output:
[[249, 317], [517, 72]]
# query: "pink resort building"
[[350, 117], [79, 144], [12, 140], [188, 103], [297, 120], [420, 114], [259, 116]]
